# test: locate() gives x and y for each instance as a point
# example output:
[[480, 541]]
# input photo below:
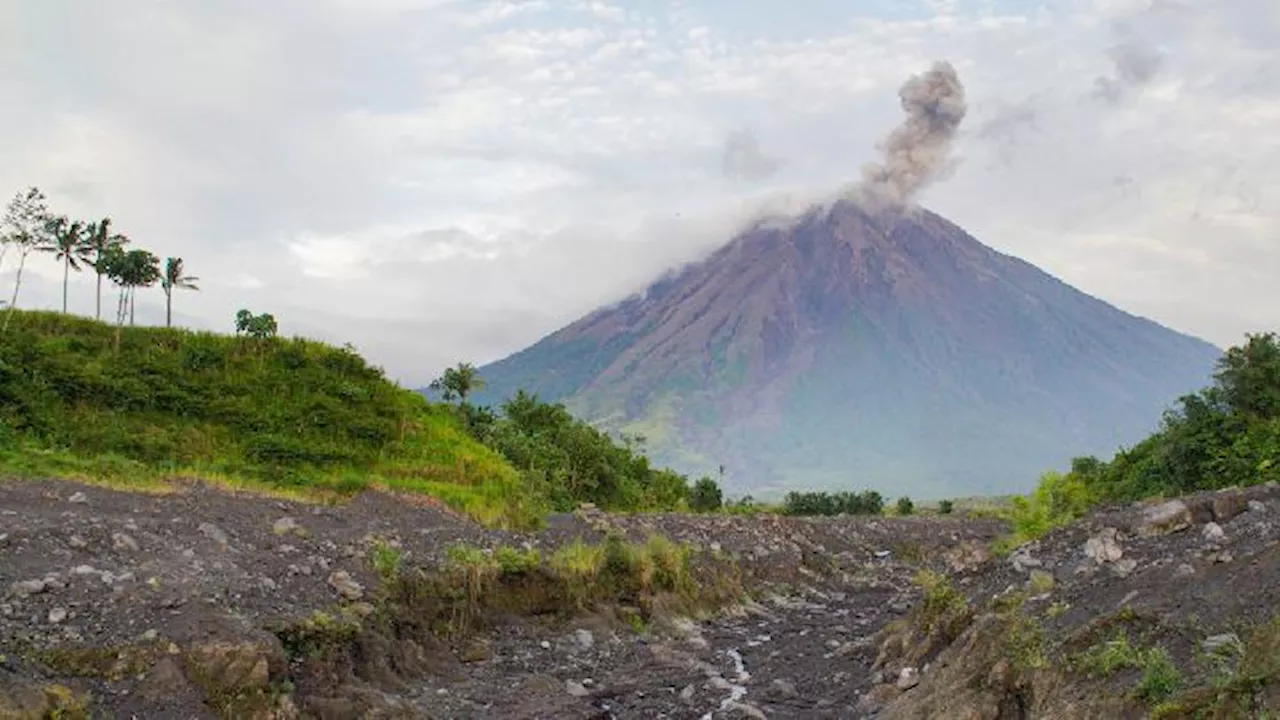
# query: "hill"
[[848, 348], [284, 415]]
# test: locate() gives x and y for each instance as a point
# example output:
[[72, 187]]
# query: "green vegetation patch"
[[268, 412]]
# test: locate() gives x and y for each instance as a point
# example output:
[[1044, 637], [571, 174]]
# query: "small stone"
[[78, 497], [1023, 562], [284, 525], [1213, 532], [123, 543], [214, 533], [346, 586], [57, 615], [150, 635], [82, 570], [545, 645], [1257, 506], [1124, 567], [584, 638], [576, 689], [784, 688], [25, 588], [877, 698], [908, 678], [1184, 570], [686, 693], [1214, 643]]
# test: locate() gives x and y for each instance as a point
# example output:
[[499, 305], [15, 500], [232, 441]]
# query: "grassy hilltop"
[[268, 413]]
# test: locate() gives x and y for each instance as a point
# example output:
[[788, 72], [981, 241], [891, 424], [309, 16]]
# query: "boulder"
[[1104, 548], [1168, 517]]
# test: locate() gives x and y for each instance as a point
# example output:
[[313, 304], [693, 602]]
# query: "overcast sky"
[[439, 180]]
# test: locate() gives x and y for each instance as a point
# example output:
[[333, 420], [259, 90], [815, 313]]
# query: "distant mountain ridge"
[[850, 350]]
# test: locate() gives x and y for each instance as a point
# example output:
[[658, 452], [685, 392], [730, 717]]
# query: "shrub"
[[946, 507], [705, 496], [905, 506]]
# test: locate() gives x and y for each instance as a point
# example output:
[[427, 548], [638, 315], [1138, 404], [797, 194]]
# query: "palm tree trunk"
[[133, 304], [97, 312], [66, 271], [17, 285], [168, 308]]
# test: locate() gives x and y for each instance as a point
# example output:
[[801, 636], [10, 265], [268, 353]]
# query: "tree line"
[[28, 226], [568, 460]]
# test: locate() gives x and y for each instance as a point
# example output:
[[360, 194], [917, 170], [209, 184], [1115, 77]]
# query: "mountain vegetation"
[[1226, 434]]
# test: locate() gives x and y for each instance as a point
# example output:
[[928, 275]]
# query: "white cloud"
[[439, 180]]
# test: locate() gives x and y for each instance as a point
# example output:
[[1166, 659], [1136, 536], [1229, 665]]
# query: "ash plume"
[[744, 160], [1135, 65], [918, 151]]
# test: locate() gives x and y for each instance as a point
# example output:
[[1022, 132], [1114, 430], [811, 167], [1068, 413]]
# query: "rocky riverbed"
[[186, 604]]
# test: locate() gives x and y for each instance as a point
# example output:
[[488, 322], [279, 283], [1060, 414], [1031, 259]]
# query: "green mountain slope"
[[278, 414], [852, 350]]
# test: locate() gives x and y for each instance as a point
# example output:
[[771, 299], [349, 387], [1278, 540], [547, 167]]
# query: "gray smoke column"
[[917, 151]]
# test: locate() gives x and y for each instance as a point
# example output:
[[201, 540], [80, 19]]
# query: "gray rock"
[[77, 542], [214, 533], [57, 615], [908, 678], [584, 638], [123, 543], [784, 688], [284, 526], [1184, 570], [26, 588], [78, 497], [1124, 567], [1213, 532], [1104, 547], [576, 689], [1023, 562], [346, 586], [1257, 506], [83, 570], [1168, 517]]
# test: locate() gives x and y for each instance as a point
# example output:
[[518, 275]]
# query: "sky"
[[439, 181]]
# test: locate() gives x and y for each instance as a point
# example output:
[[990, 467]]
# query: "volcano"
[[846, 349]]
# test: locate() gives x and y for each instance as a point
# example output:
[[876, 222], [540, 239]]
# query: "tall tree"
[[24, 228], [68, 242], [101, 241], [458, 382], [174, 278]]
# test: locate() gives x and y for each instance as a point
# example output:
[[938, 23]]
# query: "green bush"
[[905, 506], [946, 507], [706, 496], [1227, 434], [868, 502]]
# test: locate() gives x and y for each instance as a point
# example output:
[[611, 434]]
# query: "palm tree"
[[24, 227], [173, 278], [67, 241], [130, 271], [100, 242]]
